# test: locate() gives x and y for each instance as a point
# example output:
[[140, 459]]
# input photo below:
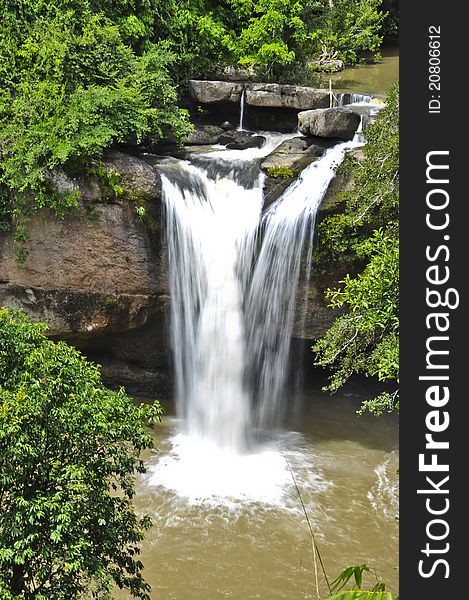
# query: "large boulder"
[[98, 269], [292, 155], [286, 162], [215, 92], [337, 123]]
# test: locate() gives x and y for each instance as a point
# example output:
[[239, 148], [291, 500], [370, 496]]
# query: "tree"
[[365, 338], [69, 449], [75, 82]]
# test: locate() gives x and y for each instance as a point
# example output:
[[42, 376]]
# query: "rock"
[[99, 268], [227, 126], [100, 272], [328, 66], [134, 179], [294, 154], [241, 140], [274, 95], [265, 95], [215, 92], [204, 135], [338, 123]]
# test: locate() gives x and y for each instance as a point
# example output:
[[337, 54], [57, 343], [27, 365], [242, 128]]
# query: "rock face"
[[338, 123], [286, 162], [100, 270], [275, 95], [215, 92]]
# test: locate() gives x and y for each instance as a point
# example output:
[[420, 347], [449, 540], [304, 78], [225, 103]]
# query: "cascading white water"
[[231, 330], [347, 98], [242, 102], [271, 298], [233, 277], [211, 226]]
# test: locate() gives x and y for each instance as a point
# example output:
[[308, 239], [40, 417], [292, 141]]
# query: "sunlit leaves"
[[365, 338], [69, 450]]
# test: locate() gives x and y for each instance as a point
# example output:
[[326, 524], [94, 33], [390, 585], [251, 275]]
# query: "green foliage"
[[346, 575], [356, 573], [351, 31], [73, 86], [363, 595], [365, 339], [280, 172], [69, 450], [109, 182]]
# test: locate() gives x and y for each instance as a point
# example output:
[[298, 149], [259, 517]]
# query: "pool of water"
[[373, 79], [234, 527]]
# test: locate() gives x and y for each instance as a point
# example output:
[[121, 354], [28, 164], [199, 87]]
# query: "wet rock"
[[227, 126], [337, 123], [204, 135], [293, 155], [332, 65], [286, 162], [241, 140]]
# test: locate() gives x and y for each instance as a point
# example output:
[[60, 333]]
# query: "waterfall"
[[242, 102], [211, 225], [347, 98], [270, 308], [233, 279]]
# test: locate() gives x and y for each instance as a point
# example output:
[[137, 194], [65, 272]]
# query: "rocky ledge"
[[261, 95], [99, 276]]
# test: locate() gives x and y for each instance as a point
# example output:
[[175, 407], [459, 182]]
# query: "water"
[[344, 99], [223, 486], [241, 110], [258, 546], [233, 280], [373, 79], [271, 297]]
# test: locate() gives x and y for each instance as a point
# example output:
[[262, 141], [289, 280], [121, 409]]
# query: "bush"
[[69, 449], [365, 339]]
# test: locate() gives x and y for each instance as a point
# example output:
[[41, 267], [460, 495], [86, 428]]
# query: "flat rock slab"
[[337, 123], [215, 92], [294, 154], [275, 95]]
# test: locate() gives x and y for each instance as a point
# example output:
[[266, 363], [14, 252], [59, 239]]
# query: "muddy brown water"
[[373, 79], [210, 548]]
